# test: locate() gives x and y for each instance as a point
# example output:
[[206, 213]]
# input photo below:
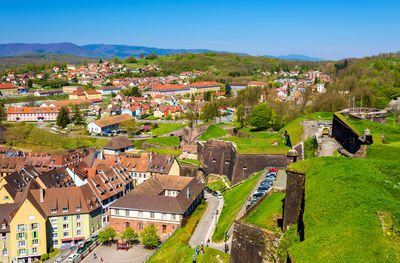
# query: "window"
[[173, 216], [5, 252], [21, 252], [65, 226], [34, 226], [78, 225], [127, 212], [21, 235], [35, 234], [21, 227], [4, 236], [78, 217], [79, 232], [3, 226], [164, 216], [53, 220], [78, 208], [140, 226], [65, 234], [140, 214], [55, 234], [34, 250], [35, 242], [151, 214], [116, 212], [21, 243], [65, 218], [65, 210], [53, 210]]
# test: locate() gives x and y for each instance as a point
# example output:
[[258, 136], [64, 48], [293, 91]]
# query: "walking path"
[[327, 146], [206, 226]]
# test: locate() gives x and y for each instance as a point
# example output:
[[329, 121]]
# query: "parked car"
[[72, 257], [219, 196], [258, 194], [264, 187], [273, 170], [247, 206], [208, 189], [215, 193]]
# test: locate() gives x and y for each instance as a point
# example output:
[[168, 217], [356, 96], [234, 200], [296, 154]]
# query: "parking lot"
[[136, 254]]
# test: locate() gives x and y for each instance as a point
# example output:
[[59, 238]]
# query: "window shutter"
[[17, 252], [33, 234], [17, 236], [26, 235]]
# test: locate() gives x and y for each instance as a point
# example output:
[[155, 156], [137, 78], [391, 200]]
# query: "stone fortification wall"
[[146, 145], [189, 134]]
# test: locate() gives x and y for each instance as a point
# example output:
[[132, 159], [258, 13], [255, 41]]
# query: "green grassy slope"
[[213, 131]]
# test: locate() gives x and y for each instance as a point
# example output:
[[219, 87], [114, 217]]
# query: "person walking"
[[194, 258], [101, 259]]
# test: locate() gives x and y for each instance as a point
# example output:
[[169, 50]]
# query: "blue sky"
[[324, 29]]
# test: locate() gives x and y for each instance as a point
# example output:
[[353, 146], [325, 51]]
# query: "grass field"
[[213, 131], [168, 141], [263, 214], [189, 162], [234, 199], [29, 138], [164, 151], [217, 185], [352, 204], [176, 248], [259, 145], [164, 128]]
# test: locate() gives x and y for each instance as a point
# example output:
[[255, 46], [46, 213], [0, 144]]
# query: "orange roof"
[[25, 110], [78, 93], [92, 92], [170, 87], [204, 83], [7, 86]]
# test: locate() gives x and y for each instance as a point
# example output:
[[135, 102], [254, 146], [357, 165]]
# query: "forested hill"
[[39, 59]]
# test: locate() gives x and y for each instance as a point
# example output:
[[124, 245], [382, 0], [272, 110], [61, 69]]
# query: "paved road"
[[280, 181], [205, 228], [327, 146], [136, 254]]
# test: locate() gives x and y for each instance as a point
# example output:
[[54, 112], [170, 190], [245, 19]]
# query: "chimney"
[[188, 193], [41, 194]]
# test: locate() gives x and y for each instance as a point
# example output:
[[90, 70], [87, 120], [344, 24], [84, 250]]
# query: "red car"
[[273, 170]]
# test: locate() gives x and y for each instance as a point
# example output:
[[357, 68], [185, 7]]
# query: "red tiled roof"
[[170, 87], [7, 86], [204, 83]]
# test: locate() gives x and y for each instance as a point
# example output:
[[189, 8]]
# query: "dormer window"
[[54, 210], [3, 226], [78, 208], [65, 210]]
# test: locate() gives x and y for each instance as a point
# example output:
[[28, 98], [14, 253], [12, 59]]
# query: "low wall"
[[252, 244]]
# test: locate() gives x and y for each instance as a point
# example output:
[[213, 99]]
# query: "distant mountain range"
[[109, 51], [296, 57]]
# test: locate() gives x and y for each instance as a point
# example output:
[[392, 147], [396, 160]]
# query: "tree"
[[107, 235], [228, 88], [131, 59], [152, 56], [150, 237], [209, 111], [207, 95], [116, 60], [129, 235], [169, 117], [262, 117], [141, 55], [100, 61], [63, 117], [130, 126], [240, 115], [77, 118]]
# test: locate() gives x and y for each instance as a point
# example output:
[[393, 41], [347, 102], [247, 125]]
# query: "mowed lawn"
[[169, 141], [259, 145], [263, 214], [176, 248], [234, 200], [213, 131], [164, 128]]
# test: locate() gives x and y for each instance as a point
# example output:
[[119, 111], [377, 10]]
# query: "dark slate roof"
[[56, 178], [6, 211], [16, 182], [117, 143], [149, 195]]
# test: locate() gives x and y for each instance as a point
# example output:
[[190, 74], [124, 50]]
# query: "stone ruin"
[[371, 114]]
